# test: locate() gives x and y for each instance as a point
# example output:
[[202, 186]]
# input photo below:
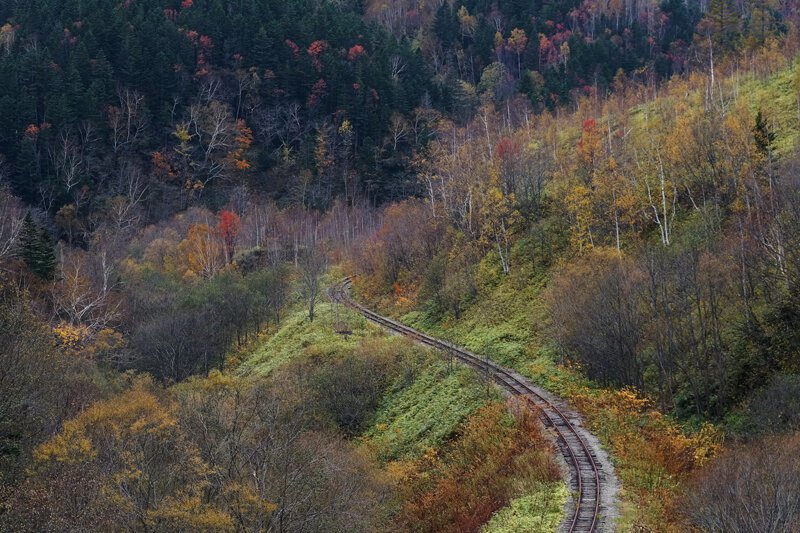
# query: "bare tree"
[[67, 161], [84, 294], [213, 129], [424, 122], [282, 125], [127, 120], [754, 488], [124, 208], [261, 229], [11, 216], [211, 89], [398, 130], [312, 263], [596, 320], [397, 65], [246, 81]]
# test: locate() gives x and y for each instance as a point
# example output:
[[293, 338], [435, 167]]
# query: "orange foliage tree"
[[229, 227], [201, 251]]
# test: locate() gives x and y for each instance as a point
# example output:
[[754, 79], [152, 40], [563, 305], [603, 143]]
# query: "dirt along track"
[[592, 481]]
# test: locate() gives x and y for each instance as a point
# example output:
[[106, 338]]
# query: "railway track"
[[587, 474]]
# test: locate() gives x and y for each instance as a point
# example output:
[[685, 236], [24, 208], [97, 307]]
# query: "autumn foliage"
[[147, 471], [474, 476], [355, 52], [730, 494], [229, 227]]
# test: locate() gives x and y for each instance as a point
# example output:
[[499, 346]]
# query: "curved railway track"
[[586, 472]]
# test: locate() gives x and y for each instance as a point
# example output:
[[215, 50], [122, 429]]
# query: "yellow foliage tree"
[[579, 208], [152, 476], [615, 199], [499, 216], [202, 252]]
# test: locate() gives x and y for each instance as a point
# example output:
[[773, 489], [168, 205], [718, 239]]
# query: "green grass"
[[505, 321], [426, 406], [776, 97], [418, 412], [299, 338], [417, 416], [540, 510]]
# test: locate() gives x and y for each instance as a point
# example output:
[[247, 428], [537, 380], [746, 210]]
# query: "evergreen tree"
[[445, 26], [764, 137], [101, 90], [36, 249], [762, 21], [721, 23]]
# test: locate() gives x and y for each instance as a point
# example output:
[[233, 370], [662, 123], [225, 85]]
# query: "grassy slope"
[[507, 321], [777, 97], [418, 414], [298, 338], [422, 413], [540, 510]]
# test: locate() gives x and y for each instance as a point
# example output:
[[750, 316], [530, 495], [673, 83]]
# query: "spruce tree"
[[763, 136], [36, 249], [28, 236], [722, 21]]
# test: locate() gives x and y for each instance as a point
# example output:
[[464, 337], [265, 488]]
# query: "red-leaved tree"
[[229, 226]]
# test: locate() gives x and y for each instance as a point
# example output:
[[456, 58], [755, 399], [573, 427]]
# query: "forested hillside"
[[602, 196], [648, 243], [302, 100]]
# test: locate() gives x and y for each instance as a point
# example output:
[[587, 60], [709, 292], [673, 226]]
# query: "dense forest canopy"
[[310, 99], [601, 195], [91, 86]]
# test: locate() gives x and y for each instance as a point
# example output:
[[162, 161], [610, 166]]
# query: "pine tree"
[[762, 21], [46, 261], [36, 249], [764, 137], [27, 239], [722, 23], [446, 25], [264, 49], [101, 89]]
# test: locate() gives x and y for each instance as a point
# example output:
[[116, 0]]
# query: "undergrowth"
[[540, 510], [298, 338], [652, 452], [420, 414]]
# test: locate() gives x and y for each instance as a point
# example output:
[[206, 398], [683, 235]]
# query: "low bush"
[[749, 488], [498, 455]]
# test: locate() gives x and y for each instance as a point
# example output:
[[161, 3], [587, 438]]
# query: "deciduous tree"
[[229, 226]]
